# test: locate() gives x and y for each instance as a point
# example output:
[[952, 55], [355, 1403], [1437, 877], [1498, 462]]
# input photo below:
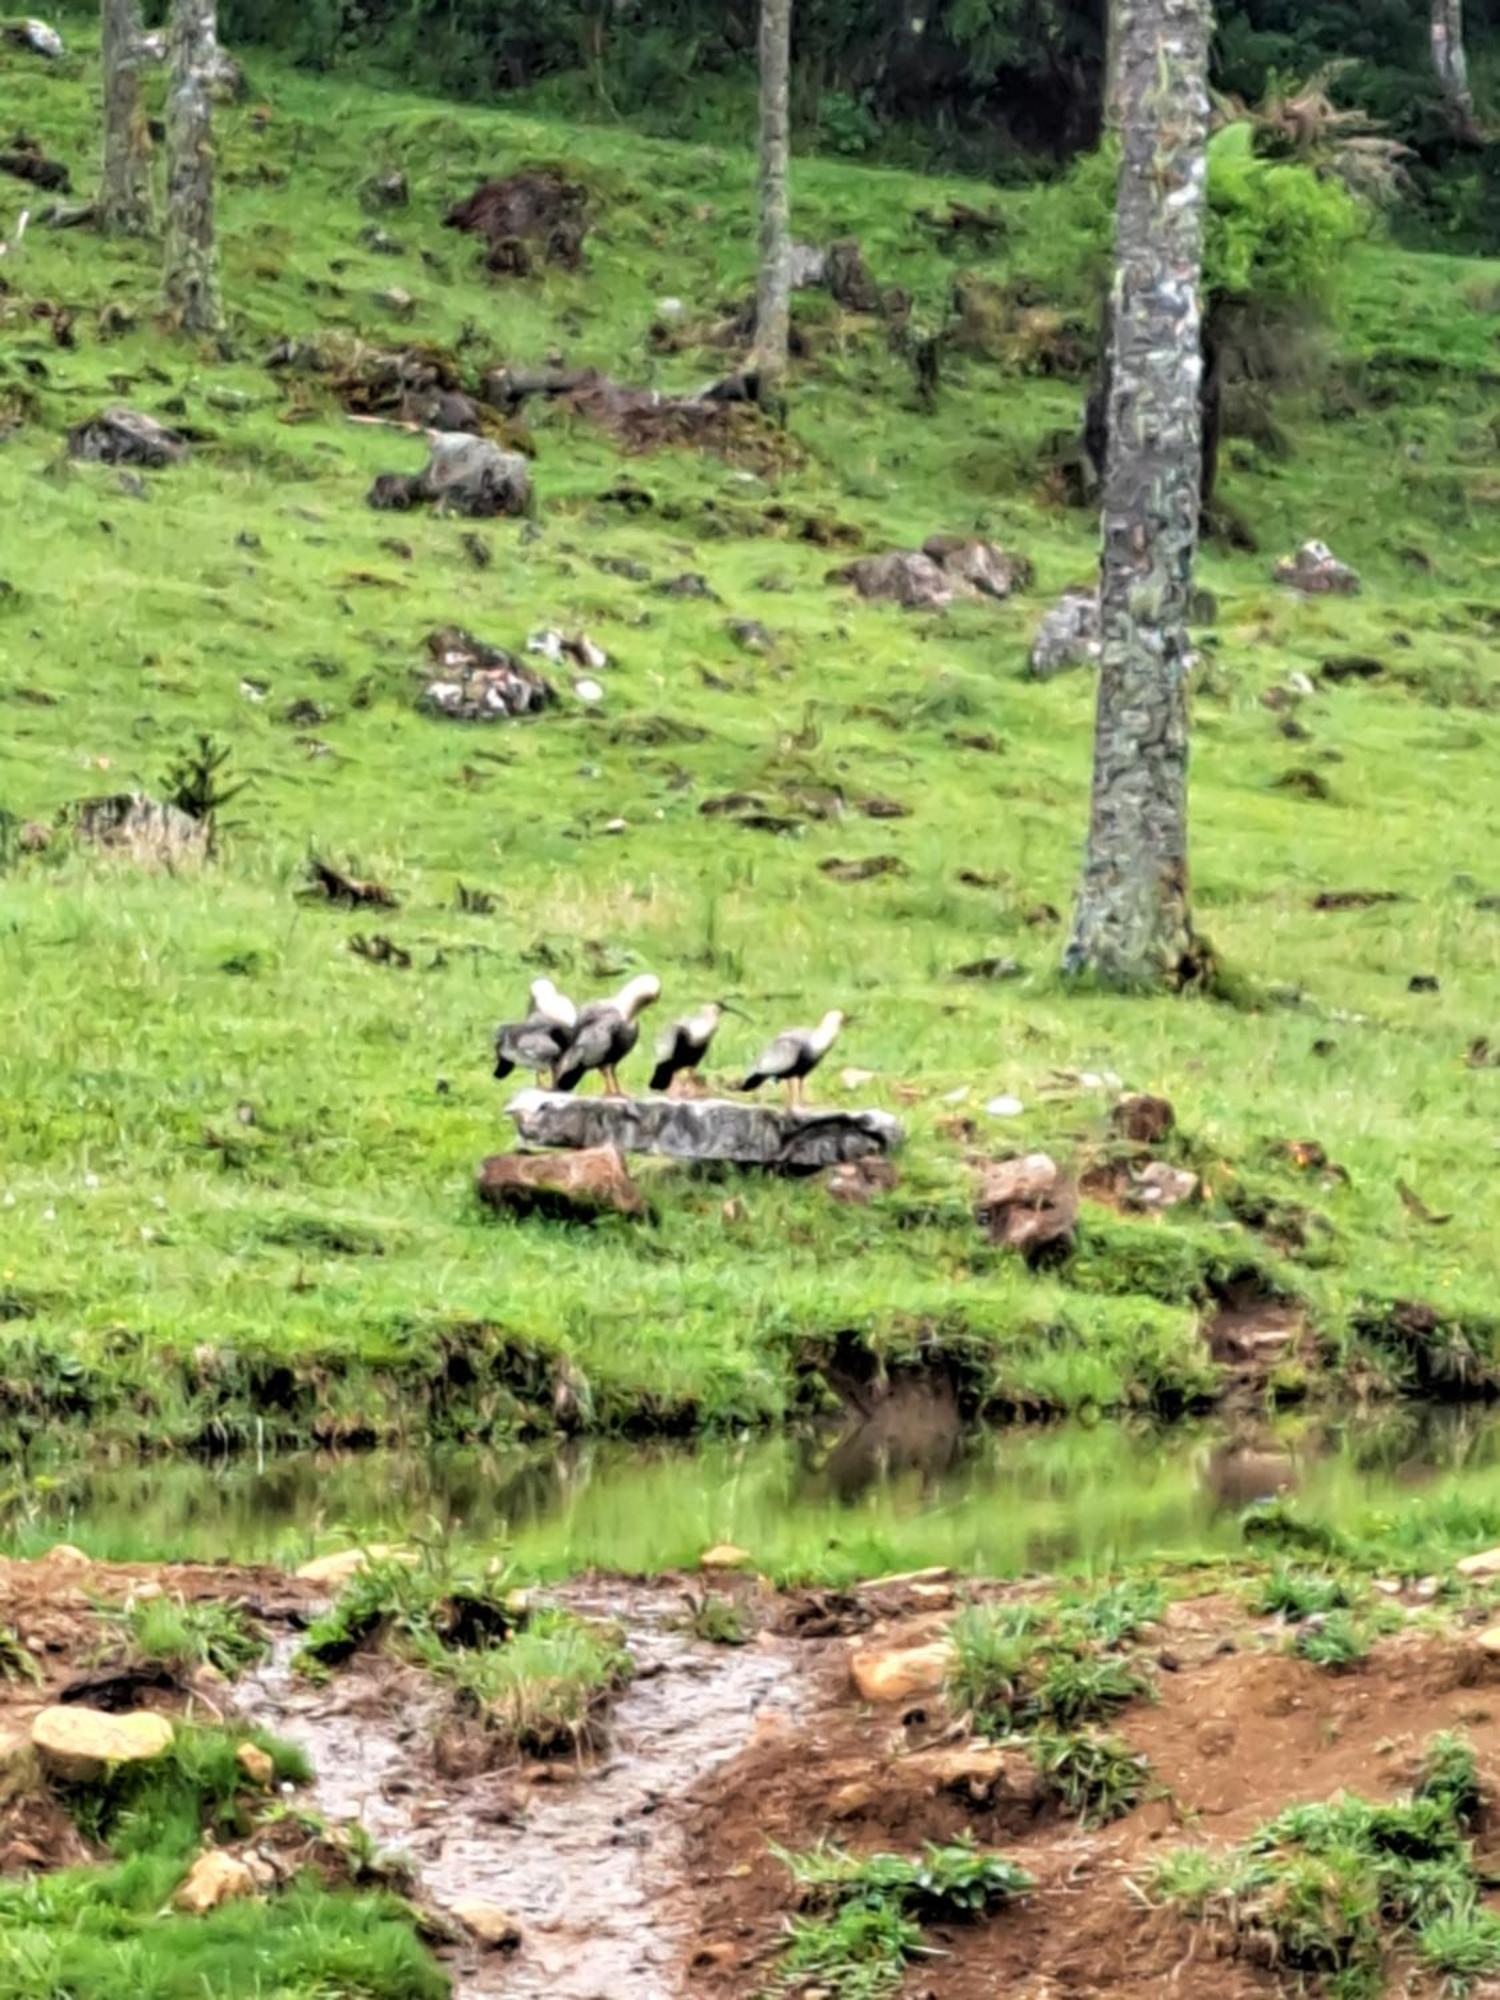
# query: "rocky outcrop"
[[465, 475], [118, 436], [145, 831], [570, 1187], [945, 568], [706, 1128], [475, 682]]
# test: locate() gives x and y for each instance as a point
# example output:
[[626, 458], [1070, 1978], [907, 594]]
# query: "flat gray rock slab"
[[707, 1128]]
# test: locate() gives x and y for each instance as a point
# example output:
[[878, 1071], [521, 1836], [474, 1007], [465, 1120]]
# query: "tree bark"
[[192, 277], [124, 207], [1133, 925], [1111, 118], [1450, 64], [774, 292]]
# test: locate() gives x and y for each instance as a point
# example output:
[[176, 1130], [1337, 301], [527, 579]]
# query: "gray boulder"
[[1068, 636], [142, 830], [465, 475], [118, 436], [1317, 572], [706, 1128], [38, 38], [473, 682]]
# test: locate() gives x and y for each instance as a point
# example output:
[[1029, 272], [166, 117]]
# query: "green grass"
[[860, 1918], [1333, 1892], [170, 1632], [1019, 1667], [95, 1932], [1096, 1777], [239, 1160]]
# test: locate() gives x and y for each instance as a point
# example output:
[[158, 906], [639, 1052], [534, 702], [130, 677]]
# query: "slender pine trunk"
[[774, 293], [1133, 925], [124, 207], [192, 277], [1450, 62]]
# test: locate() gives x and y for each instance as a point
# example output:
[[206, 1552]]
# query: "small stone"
[[335, 1570], [588, 691], [1005, 1107], [571, 1187], [397, 301], [496, 1929], [67, 1557], [856, 1079], [257, 1764], [1485, 1563], [902, 1674], [1027, 1204], [82, 1745], [1489, 1641], [1161, 1185], [214, 1879], [724, 1555], [1068, 636], [1144, 1120], [1316, 571]]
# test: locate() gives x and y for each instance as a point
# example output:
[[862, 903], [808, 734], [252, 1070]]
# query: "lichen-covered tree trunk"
[[192, 278], [124, 207], [1450, 62], [1111, 117], [1133, 925], [774, 292]]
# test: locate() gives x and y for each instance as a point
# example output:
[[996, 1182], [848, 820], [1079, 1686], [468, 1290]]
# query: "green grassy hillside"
[[238, 1157]]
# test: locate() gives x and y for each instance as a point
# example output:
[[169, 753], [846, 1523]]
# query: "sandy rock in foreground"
[[81, 1745]]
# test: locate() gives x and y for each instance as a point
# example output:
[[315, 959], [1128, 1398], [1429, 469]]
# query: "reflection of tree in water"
[[916, 1428]]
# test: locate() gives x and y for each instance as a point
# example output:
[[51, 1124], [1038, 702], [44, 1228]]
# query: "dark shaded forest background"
[[998, 85]]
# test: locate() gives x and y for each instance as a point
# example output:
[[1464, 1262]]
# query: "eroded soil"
[[644, 1870]]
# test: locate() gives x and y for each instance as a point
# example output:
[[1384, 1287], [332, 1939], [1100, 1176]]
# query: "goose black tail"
[[503, 1068], [661, 1077], [753, 1082]]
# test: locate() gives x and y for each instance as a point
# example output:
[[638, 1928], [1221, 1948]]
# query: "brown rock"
[[857, 1182], [1145, 1121], [983, 1772], [576, 1187], [214, 1879], [983, 566], [1317, 572], [1485, 1563], [1027, 1204], [496, 1929], [903, 1674], [82, 1745], [1489, 1641], [257, 1764]]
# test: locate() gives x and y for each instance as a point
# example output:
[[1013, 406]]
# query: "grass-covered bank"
[[238, 1156]]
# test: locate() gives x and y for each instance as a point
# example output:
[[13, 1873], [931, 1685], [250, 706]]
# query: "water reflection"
[[911, 1485]]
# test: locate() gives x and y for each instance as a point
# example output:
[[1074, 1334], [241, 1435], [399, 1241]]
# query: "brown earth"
[[644, 1868]]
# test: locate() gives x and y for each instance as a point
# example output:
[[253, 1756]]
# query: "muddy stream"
[[588, 1858]]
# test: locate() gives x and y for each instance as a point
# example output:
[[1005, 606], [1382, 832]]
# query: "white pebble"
[[588, 691], [1005, 1107]]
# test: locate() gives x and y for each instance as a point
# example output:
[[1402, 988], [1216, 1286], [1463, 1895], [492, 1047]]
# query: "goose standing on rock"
[[793, 1057], [606, 1033], [684, 1046], [539, 1042]]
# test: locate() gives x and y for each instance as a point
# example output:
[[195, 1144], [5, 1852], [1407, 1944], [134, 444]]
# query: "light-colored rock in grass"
[[82, 1745], [1069, 635], [335, 1570], [214, 1879], [257, 1764], [903, 1673], [706, 1128], [496, 1929], [981, 1771], [724, 1555], [1485, 1563], [1489, 1641]]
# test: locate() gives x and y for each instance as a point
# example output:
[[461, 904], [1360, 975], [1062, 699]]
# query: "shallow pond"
[[999, 1502]]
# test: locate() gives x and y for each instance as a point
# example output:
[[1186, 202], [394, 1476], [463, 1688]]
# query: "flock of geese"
[[563, 1043]]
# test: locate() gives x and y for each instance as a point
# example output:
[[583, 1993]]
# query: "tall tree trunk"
[[774, 293], [1450, 63], [192, 278], [124, 207], [1133, 925]]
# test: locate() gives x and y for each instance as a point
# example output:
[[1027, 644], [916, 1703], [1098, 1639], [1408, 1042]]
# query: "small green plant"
[[1096, 1777], [862, 1915], [1331, 1891], [170, 1632], [1121, 1612], [1019, 1665], [1296, 1594], [16, 1663], [1336, 1642], [410, 1603], [716, 1619], [1083, 1690], [546, 1688]]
